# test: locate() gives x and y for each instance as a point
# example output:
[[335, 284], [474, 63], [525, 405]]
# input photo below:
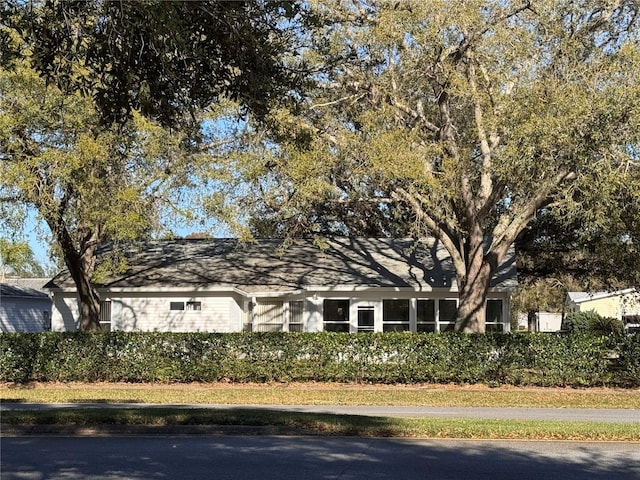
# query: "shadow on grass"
[[263, 420]]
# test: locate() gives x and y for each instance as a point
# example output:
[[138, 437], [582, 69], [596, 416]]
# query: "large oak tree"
[[86, 88], [473, 115], [91, 184]]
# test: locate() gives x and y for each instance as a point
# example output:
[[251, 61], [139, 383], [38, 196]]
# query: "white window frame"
[[406, 321], [346, 323]]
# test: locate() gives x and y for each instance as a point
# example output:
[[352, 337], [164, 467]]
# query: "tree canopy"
[[90, 183], [104, 106], [472, 116], [16, 258], [163, 59]]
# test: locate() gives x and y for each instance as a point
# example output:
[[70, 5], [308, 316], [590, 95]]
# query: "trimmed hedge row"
[[516, 359]]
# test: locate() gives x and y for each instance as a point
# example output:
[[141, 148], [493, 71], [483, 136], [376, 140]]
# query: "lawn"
[[92, 421], [323, 394]]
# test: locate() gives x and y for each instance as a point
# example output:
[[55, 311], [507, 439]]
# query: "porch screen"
[[426, 316], [336, 315], [395, 315], [105, 315], [295, 316], [494, 321], [447, 315], [269, 316]]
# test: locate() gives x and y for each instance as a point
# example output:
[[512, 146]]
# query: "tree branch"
[[438, 230]]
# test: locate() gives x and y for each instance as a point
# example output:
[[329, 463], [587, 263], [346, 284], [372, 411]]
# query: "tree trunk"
[[80, 267], [88, 297], [471, 315]]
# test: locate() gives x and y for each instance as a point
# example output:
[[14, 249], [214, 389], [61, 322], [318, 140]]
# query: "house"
[[621, 304], [24, 306], [338, 284]]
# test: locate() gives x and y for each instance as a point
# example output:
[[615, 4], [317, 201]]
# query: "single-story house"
[[337, 284], [24, 305], [621, 304]]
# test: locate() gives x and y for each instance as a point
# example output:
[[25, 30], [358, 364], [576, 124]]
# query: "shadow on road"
[[308, 458]]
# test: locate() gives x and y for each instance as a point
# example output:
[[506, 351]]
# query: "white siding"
[[216, 314], [64, 317], [24, 314]]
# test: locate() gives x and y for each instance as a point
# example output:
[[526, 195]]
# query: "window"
[[176, 306], [105, 316], [395, 316], [631, 323], [426, 316], [336, 315], [269, 316], [494, 320], [295, 316], [366, 319], [189, 306], [194, 306], [447, 315]]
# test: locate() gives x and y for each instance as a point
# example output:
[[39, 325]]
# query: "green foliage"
[[606, 326], [579, 322], [90, 183], [165, 59], [16, 258], [591, 323], [463, 119], [519, 359]]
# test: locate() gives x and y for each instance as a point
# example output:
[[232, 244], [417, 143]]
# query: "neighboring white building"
[[339, 284], [621, 304], [24, 306], [543, 322]]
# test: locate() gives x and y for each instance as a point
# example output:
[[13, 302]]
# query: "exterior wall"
[[630, 304], [549, 322], [606, 307], [233, 313], [25, 314], [64, 317], [153, 312]]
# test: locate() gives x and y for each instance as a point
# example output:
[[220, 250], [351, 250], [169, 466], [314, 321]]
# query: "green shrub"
[[579, 322], [402, 357], [606, 326], [592, 323]]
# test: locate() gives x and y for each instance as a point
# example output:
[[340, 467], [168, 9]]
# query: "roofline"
[[600, 295], [312, 289], [44, 296]]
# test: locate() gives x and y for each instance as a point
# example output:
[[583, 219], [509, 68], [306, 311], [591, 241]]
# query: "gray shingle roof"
[[19, 291], [269, 265]]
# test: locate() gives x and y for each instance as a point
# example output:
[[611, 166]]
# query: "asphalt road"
[[567, 414], [310, 458]]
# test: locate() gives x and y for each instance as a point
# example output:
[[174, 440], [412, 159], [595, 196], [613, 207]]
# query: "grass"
[[327, 424], [323, 394]]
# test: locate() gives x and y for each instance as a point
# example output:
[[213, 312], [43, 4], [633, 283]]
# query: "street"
[[310, 458]]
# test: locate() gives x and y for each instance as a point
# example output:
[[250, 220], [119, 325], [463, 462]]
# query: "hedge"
[[517, 359]]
